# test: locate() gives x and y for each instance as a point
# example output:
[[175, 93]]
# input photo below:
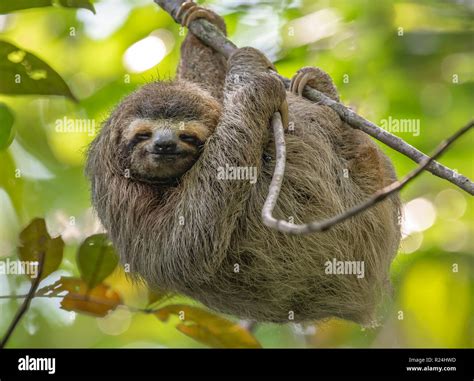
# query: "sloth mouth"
[[166, 155]]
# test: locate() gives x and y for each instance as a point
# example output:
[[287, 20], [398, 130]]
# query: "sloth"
[[183, 229]]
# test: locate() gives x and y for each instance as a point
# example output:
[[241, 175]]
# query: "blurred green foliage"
[[408, 60]]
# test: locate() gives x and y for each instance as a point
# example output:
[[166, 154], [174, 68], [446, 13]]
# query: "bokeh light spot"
[[418, 215], [450, 204], [116, 322], [144, 54], [455, 236], [411, 243]]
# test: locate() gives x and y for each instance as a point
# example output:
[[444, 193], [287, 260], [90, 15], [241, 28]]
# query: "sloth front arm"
[[206, 208]]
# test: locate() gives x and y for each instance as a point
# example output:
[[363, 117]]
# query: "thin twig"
[[26, 303], [319, 226], [214, 38], [84, 298]]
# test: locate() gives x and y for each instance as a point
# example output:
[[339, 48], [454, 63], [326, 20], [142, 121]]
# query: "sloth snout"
[[165, 143]]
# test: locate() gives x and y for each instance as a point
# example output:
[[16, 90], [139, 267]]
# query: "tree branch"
[[26, 303], [319, 226], [212, 37]]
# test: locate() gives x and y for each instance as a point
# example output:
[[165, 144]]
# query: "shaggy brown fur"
[[204, 237]]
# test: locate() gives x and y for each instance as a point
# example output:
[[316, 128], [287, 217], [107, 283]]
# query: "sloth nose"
[[164, 143]]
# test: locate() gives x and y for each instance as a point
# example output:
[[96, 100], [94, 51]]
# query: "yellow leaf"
[[208, 328], [97, 301]]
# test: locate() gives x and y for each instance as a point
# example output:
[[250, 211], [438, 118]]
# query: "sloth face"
[[162, 150]]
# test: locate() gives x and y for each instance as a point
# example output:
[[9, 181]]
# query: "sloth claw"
[[301, 79], [284, 114], [184, 7], [190, 11]]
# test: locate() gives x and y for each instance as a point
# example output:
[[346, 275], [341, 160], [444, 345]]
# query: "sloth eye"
[[190, 139], [142, 136]]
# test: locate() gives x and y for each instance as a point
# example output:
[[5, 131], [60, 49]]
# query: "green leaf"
[[24, 73], [34, 241], [13, 185], [78, 4], [7, 6], [208, 328], [6, 126], [96, 259]]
